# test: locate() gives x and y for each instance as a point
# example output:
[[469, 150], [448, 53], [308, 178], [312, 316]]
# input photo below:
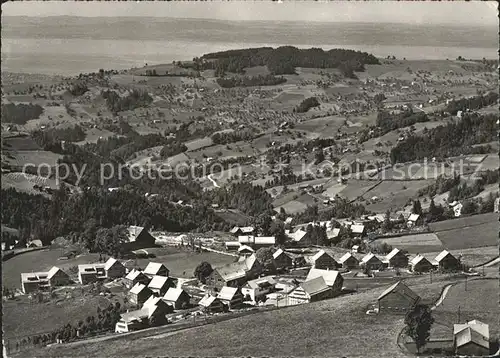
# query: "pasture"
[[478, 299], [291, 331], [418, 243], [470, 236], [24, 182]]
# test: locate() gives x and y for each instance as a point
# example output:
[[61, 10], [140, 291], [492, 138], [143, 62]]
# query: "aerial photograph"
[[250, 179]]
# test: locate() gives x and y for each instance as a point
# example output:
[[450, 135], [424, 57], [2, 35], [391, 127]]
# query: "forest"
[[283, 60], [247, 81], [133, 100], [306, 104], [472, 103], [20, 113], [450, 140]]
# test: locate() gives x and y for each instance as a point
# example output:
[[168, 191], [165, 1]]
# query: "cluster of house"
[[469, 339]]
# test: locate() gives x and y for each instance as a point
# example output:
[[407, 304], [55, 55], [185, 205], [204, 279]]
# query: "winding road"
[[442, 297]]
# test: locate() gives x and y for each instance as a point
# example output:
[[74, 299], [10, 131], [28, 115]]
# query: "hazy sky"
[[416, 12]]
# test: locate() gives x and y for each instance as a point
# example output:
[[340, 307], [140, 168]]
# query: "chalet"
[[177, 298], [471, 338], [139, 238], [88, 273], [232, 245], [233, 275], [156, 269], [245, 250], [140, 319], [258, 288], [333, 279], [397, 298], [35, 281], [159, 285], [446, 261], [282, 260], [158, 301], [396, 258], [238, 231], [420, 264], [139, 294], [211, 304], [231, 297], [134, 277], [358, 230], [414, 220], [310, 291], [348, 261], [112, 269], [371, 262], [301, 238], [323, 260], [332, 233]]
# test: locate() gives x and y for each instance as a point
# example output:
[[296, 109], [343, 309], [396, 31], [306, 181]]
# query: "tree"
[[417, 207], [387, 221], [277, 230], [418, 324], [265, 257], [202, 271]]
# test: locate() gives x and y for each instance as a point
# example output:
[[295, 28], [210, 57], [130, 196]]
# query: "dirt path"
[[213, 181], [442, 297]]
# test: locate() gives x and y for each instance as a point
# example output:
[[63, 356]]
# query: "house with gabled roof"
[[471, 338], [258, 288], [349, 261], [139, 238], [211, 304], [136, 276], [244, 230], [245, 250], [397, 298], [112, 269], [156, 269], [371, 262], [34, 281], [231, 297], [414, 220], [159, 285], [332, 233], [233, 275], [152, 308], [396, 258], [232, 245], [139, 294], [358, 230], [332, 278], [446, 261], [282, 260], [420, 264], [323, 260], [177, 298], [308, 291]]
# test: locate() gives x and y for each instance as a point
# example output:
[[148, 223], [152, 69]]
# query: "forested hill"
[[283, 60]]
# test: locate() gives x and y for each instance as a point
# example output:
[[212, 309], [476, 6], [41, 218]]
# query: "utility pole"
[[430, 276]]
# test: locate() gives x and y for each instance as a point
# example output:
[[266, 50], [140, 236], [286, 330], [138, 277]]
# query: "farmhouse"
[[233, 275], [140, 319], [420, 264], [35, 281], [238, 231], [282, 260], [232, 245], [157, 301], [332, 233], [446, 261], [396, 258], [94, 272], [323, 260], [332, 278], [358, 230], [310, 291], [211, 304], [348, 261], [177, 298], [136, 276], [159, 285], [414, 220], [301, 238], [397, 298], [139, 294], [471, 339], [258, 288], [139, 238], [245, 250], [371, 262], [231, 297], [156, 269]]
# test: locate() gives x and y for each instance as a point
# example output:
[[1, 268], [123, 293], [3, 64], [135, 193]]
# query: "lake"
[[69, 46]]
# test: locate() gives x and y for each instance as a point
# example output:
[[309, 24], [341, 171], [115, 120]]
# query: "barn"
[[398, 298]]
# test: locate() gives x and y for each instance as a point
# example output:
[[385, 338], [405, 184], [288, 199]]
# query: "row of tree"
[[231, 137], [250, 81], [472, 103], [306, 104]]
